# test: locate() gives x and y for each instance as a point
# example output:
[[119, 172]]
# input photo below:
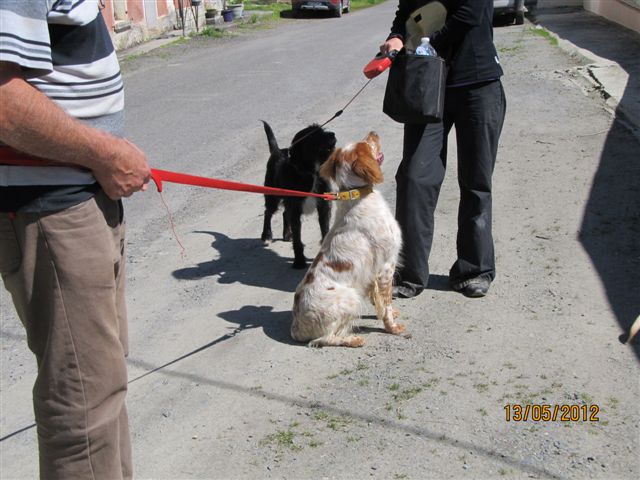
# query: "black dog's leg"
[[270, 207], [293, 210], [286, 229], [324, 215]]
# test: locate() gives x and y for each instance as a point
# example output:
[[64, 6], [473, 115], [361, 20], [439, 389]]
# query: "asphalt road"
[[218, 389]]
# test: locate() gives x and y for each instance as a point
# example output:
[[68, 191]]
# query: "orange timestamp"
[[551, 413]]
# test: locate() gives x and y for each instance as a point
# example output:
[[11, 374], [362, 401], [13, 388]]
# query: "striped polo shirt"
[[64, 50]]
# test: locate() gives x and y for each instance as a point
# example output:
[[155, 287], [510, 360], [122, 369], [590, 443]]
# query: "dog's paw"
[[395, 329], [356, 342], [395, 312]]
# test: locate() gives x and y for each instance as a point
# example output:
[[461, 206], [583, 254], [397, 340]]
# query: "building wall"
[[128, 23], [624, 12], [135, 10]]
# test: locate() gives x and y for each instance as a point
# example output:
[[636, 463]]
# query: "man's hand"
[[32, 123], [124, 171], [391, 44]]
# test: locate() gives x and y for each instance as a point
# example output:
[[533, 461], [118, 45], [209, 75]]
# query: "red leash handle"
[[12, 157]]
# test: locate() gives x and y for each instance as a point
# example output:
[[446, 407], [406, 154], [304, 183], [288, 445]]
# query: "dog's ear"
[[365, 165], [328, 169]]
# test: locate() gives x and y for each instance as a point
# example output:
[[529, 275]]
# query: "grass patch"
[[359, 4], [541, 32], [586, 398], [432, 382], [361, 366], [481, 387], [345, 372], [282, 439], [506, 50], [333, 422], [613, 402], [275, 8], [212, 32], [321, 415], [406, 394], [337, 423]]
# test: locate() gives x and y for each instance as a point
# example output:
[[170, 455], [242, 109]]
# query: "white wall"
[[624, 12]]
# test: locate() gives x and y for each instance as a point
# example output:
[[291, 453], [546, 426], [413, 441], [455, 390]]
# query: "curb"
[[168, 37], [604, 76]]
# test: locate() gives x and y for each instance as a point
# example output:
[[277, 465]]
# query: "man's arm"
[[32, 123]]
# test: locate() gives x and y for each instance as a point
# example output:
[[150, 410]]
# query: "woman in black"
[[475, 104]]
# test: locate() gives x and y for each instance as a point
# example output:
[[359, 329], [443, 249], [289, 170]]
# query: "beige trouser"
[[65, 272]]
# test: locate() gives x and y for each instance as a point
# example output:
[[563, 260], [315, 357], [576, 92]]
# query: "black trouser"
[[477, 111]]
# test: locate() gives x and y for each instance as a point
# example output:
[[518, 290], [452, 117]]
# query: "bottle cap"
[[424, 39]]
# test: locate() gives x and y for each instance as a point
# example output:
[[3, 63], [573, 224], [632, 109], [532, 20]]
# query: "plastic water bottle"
[[425, 48]]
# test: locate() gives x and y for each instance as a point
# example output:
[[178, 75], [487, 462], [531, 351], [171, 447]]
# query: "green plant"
[[358, 4], [407, 394], [282, 439], [541, 32], [212, 32]]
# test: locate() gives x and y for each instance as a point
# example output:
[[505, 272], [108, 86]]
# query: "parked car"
[[511, 10], [337, 7]]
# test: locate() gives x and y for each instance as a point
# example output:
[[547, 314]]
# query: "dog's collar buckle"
[[351, 195]]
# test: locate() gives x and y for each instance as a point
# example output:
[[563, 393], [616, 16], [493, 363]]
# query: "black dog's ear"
[[329, 169]]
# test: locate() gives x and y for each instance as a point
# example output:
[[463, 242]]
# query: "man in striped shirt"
[[64, 167]]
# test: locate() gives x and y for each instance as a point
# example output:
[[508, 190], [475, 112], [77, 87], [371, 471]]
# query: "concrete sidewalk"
[[612, 53], [171, 36]]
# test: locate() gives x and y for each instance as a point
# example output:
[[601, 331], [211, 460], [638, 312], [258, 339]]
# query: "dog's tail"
[[271, 138]]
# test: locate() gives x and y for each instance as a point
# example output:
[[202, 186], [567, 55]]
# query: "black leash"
[[336, 115]]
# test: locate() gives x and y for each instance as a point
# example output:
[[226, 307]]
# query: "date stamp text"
[[551, 413]]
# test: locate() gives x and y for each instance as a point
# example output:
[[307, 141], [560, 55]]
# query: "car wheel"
[[338, 12], [519, 18]]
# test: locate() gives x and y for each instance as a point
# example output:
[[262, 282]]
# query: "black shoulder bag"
[[415, 89]]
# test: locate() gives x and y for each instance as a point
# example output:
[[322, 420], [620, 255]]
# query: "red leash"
[[11, 157], [159, 176]]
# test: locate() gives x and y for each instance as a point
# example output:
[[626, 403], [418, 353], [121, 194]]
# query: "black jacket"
[[465, 40]]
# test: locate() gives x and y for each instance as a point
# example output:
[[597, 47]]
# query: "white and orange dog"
[[357, 258]]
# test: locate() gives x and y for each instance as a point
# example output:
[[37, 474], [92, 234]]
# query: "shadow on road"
[[611, 224], [246, 261], [275, 325]]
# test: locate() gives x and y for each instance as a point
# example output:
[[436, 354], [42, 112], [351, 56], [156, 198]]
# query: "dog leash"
[[375, 67], [335, 115], [9, 156], [158, 176]]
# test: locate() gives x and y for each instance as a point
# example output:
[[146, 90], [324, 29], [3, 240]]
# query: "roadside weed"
[[541, 32]]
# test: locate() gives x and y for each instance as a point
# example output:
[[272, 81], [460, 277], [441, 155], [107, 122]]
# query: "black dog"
[[296, 168]]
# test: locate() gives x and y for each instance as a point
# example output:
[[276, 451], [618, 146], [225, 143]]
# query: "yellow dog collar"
[[354, 194]]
